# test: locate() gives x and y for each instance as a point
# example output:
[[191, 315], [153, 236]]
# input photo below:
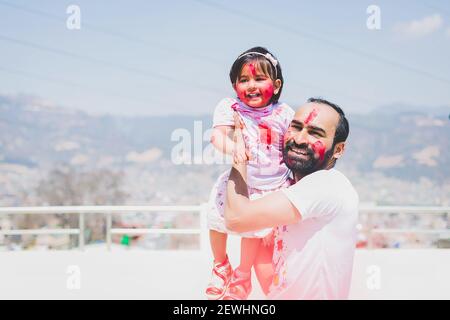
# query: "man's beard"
[[308, 165]]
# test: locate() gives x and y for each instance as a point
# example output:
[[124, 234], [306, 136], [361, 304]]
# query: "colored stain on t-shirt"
[[265, 133], [279, 245]]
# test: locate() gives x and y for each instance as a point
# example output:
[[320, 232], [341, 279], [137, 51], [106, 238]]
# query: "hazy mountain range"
[[399, 141]]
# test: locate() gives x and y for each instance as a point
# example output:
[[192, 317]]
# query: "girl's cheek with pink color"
[[268, 91]]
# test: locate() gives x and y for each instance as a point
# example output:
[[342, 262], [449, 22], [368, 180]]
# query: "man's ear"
[[277, 86], [339, 149]]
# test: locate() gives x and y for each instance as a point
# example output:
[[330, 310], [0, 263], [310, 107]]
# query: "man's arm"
[[241, 214]]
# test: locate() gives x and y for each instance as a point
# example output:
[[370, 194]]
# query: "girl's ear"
[[276, 86]]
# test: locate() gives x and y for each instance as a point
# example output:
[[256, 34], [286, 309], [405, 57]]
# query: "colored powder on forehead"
[[311, 116], [252, 69], [319, 149]]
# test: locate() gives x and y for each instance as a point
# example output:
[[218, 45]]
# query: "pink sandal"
[[220, 279], [239, 288]]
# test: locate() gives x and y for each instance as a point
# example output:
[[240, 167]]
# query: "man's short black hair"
[[342, 129]]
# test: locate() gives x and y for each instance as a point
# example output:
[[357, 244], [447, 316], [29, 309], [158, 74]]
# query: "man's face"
[[308, 143]]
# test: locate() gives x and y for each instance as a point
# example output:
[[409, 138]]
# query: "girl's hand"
[[240, 152]]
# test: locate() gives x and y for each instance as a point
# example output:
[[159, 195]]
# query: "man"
[[315, 218]]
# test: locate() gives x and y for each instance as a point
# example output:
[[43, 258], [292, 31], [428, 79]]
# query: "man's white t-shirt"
[[313, 259]]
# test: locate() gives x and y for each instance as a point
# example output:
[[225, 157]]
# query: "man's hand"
[[240, 153]]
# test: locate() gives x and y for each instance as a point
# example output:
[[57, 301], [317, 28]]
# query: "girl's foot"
[[240, 286], [220, 279]]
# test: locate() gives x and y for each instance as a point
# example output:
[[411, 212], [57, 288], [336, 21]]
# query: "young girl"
[[257, 79]]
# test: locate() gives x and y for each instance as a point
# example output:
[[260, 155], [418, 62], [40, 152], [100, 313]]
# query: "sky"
[[138, 58]]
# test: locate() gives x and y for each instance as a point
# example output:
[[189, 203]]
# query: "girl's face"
[[255, 88]]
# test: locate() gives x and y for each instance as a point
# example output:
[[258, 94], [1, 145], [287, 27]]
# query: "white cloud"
[[388, 162], [79, 160], [427, 156], [66, 146], [144, 157], [447, 32], [419, 28]]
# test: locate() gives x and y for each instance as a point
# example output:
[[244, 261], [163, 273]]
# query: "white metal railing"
[[371, 210], [200, 209], [108, 211]]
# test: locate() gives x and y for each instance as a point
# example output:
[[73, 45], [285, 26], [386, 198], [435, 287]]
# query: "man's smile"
[[301, 151]]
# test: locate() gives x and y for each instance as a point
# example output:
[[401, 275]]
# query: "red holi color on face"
[[268, 92], [252, 69], [265, 133], [319, 149], [311, 116], [254, 85]]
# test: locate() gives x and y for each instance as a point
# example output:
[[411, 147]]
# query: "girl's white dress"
[[266, 172]]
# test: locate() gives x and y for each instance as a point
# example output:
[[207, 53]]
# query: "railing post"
[[81, 230], [108, 231], [204, 236]]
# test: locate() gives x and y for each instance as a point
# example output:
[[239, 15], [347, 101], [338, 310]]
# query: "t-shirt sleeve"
[[223, 113], [315, 195], [288, 115]]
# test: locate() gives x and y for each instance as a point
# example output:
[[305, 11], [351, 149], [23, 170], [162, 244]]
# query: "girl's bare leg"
[[264, 269], [249, 250], [218, 241]]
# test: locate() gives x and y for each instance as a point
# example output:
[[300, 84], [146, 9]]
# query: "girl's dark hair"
[[274, 72]]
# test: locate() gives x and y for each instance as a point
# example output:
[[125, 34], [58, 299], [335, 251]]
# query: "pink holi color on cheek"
[[242, 96], [319, 148], [311, 116], [268, 92]]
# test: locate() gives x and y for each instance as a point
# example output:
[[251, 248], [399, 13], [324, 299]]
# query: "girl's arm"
[[222, 139]]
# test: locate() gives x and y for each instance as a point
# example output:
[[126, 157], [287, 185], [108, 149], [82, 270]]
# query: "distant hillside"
[[396, 141]]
